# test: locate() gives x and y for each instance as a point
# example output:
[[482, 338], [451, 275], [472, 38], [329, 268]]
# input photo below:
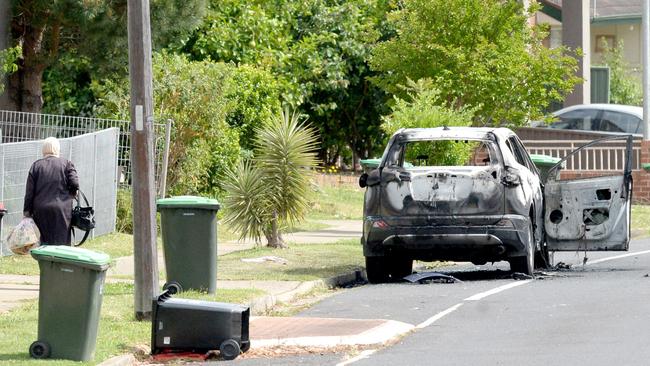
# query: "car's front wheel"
[[525, 264]]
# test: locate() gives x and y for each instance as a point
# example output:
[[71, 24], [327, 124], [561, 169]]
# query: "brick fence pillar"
[[642, 177]]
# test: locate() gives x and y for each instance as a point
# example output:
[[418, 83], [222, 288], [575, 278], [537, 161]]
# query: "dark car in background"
[[600, 117], [490, 207]]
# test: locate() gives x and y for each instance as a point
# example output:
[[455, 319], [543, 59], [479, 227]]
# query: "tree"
[[479, 53], [624, 88], [421, 108], [319, 49], [95, 29], [272, 190]]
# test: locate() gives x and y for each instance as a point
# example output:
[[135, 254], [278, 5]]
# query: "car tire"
[[400, 268], [526, 264], [377, 270], [542, 257]]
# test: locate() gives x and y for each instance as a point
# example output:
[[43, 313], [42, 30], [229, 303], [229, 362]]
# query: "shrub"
[[272, 191], [191, 94]]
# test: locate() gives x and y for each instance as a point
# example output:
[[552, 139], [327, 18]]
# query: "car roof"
[[630, 109], [453, 132]]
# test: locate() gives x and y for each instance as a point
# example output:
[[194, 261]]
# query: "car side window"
[[514, 149], [583, 119], [619, 122]]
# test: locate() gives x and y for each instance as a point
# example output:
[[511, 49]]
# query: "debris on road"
[[521, 276], [428, 277], [268, 258], [561, 266]]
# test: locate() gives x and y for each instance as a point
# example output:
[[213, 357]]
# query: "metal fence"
[[606, 157], [95, 157], [22, 126]]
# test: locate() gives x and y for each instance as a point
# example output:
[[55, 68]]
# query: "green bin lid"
[[370, 163], [62, 253], [188, 202], [544, 159]]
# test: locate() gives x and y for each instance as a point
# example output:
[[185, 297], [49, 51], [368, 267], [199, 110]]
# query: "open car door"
[[591, 212]]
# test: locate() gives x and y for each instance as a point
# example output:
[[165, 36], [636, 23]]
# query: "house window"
[[605, 39]]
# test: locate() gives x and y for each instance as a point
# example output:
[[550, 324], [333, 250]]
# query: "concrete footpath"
[[265, 331]]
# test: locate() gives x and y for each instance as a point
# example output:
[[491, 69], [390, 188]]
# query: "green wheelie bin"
[[70, 299], [189, 234], [544, 163]]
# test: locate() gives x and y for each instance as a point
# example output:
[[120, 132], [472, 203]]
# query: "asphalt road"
[[597, 314]]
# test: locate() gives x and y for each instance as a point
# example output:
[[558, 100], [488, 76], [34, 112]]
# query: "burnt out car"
[[474, 194]]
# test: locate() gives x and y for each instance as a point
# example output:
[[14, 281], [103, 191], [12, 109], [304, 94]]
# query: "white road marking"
[[496, 290], [361, 356], [617, 257], [438, 316]]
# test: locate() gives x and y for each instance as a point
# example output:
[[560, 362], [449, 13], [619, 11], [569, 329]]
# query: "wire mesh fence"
[[23, 126], [95, 158]]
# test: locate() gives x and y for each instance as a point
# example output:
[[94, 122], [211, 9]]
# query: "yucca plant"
[[273, 190]]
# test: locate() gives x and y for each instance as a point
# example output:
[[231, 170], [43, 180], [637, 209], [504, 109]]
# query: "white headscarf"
[[51, 147]]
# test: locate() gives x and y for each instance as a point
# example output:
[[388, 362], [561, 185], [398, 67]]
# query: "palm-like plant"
[[274, 191]]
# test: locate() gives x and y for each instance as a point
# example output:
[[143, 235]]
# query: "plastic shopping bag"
[[24, 236]]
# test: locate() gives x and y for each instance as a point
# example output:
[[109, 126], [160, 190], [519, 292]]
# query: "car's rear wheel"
[[526, 264], [377, 270], [400, 268]]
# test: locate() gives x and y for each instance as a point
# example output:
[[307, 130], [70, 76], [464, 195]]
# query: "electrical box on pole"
[[142, 141]]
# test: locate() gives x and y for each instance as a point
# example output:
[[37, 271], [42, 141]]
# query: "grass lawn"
[[118, 331], [116, 245], [641, 219], [305, 262], [341, 203]]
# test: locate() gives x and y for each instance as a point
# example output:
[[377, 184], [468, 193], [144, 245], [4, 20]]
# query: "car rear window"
[[431, 153]]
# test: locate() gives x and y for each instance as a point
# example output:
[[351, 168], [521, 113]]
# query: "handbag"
[[83, 218]]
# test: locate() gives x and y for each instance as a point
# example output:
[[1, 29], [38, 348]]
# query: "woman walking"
[[52, 184]]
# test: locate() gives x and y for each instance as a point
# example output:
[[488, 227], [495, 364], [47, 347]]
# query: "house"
[[611, 21]]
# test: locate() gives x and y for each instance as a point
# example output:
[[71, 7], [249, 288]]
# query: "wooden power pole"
[[144, 210]]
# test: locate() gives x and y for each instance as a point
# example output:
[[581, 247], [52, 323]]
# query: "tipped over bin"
[[189, 234], [69, 301]]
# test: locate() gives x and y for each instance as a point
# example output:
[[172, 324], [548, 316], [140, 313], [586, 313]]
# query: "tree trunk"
[[273, 235]]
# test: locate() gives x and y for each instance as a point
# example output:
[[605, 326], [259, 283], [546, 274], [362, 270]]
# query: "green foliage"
[[8, 59], [247, 203], [422, 108], [254, 97], [85, 30], [67, 86], [192, 95], [124, 219], [318, 49], [273, 191], [624, 88], [479, 53]]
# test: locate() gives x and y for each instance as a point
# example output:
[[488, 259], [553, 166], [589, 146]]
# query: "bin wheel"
[[229, 349], [40, 349], [245, 346], [173, 287]]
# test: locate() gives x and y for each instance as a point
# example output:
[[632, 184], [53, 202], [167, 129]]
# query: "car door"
[[593, 212]]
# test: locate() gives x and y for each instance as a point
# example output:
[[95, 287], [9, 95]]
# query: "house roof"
[[601, 10]]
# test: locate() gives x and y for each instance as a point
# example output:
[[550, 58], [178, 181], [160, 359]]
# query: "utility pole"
[[646, 69], [144, 210]]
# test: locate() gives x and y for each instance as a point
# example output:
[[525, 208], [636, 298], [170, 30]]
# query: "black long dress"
[[51, 186]]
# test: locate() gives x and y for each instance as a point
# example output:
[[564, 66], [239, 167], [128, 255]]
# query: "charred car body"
[[487, 205]]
